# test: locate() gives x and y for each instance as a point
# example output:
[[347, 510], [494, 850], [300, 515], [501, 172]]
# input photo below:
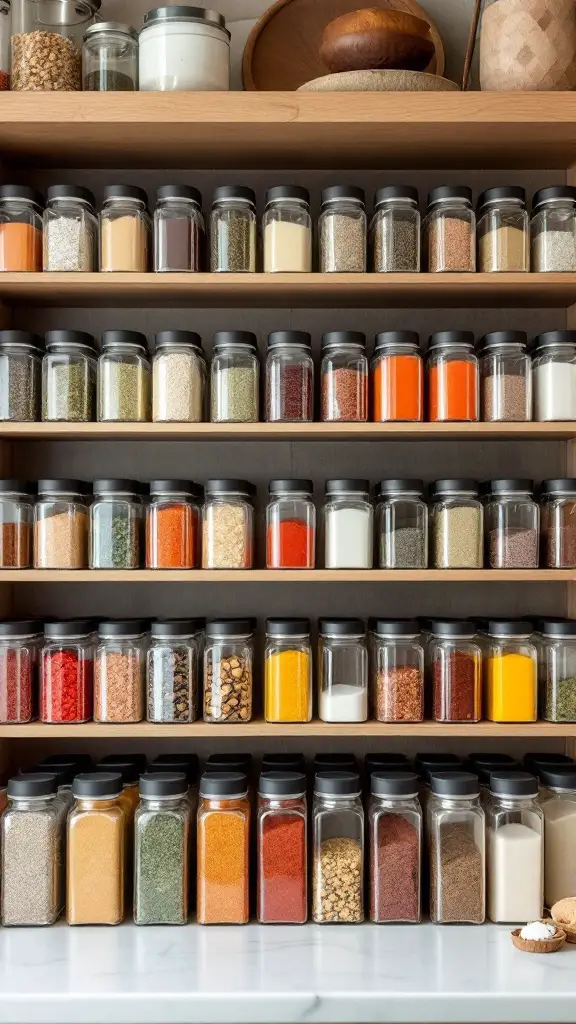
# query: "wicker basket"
[[528, 45]]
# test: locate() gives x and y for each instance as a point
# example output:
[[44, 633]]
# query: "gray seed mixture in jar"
[[69, 246], [342, 244], [396, 247], [457, 538], [32, 867]]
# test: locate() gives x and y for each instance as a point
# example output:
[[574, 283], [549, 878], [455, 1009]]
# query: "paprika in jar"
[[223, 838], [397, 374], [456, 668], [172, 525], [282, 848], [19, 646], [290, 525], [344, 377], [453, 377], [66, 678], [20, 229], [16, 519]]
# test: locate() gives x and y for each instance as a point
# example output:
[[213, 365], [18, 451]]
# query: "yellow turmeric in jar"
[[511, 693], [288, 687]]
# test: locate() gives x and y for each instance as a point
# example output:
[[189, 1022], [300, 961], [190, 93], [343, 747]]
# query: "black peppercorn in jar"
[[110, 58], [20, 376], [395, 230], [233, 230]]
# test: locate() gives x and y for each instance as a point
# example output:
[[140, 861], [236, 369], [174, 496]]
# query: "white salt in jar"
[[348, 525], [554, 376], [342, 670], [184, 49]]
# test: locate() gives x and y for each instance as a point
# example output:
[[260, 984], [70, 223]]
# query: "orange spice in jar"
[[20, 229], [172, 525], [223, 849], [397, 378], [95, 864], [453, 377]]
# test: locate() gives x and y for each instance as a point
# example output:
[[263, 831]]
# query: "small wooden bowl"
[[539, 945], [375, 39]]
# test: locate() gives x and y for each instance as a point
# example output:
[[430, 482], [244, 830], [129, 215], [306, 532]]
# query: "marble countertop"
[[263, 975]]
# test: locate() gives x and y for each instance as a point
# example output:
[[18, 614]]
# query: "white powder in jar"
[[180, 54], [560, 844], [554, 391], [515, 873], [349, 542], [287, 247], [343, 703]]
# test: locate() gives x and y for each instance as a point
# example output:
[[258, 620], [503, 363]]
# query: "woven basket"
[[528, 45]]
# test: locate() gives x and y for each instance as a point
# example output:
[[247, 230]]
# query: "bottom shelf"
[[348, 974]]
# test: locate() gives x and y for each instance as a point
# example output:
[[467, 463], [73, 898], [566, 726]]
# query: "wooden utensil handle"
[[471, 44]]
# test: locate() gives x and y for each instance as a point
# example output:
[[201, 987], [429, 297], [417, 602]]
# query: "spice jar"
[[228, 670], [455, 669], [287, 230], [162, 849], [47, 44], [457, 849], [69, 377], [338, 849], [172, 525], [124, 378], [20, 226], [554, 376], [452, 371], [397, 672], [95, 863], [344, 377], [32, 845], [283, 763], [70, 241], [397, 378], [124, 230], [515, 848], [19, 645], [348, 525], [66, 672], [342, 230], [178, 378], [289, 378], [395, 826], [553, 230], [558, 523], [342, 670], [178, 229], [290, 525], [558, 802], [4, 45], [233, 230], [116, 526], [456, 520], [110, 58], [395, 230], [228, 525], [234, 378], [512, 525], [288, 671], [16, 519], [503, 230], [129, 797], [401, 525], [120, 671], [20, 376], [223, 837], [184, 49], [172, 671], [506, 371], [281, 830], [450, 230], [510, 673], [61, 525]]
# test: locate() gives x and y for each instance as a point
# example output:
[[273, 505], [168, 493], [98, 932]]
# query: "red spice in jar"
[[394, 870], [289, 394], [66, 691], [456, 685], [282, 883], [4, 81], [344, 395], [290, 545], [15, 545], [18, 672]]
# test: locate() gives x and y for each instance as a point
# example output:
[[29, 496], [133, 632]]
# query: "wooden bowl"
[[376, 39], [539, 946], [564, 915]]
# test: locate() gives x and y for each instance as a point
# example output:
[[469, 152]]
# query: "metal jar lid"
[[102, 27], [201, 15]]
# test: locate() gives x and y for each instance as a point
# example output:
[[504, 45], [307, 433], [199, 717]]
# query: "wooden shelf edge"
[[287, 575]]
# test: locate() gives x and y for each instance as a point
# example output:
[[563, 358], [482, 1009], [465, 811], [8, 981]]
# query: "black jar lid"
[[516, 627], [520, 484], [133, 338], [84, 195], [395, 627], [547, 195], [175, 627], [496, 338], [127, 770], [63, 773], [342, 627], [283, 763], [556, 777], [176, 487], [445, 192], [494, 195], [177, 764], [462, 483], [97, 785], [20, 627], [63, 486], [123, 628], [387, 784], [550, 338], [163, 784], [54, 339], [337, 783], [187, 192], [287, 192], [13, 486], [277, 339], [191, 759], [34, 784], [386, 487], [383, 195], [72, 627], [288, 627], [235, 192], [229, 486], [139, 760], [558, 627], [503, 783], [434, 758], [223, 785], [229, 627], [331, 762], [119, 485], [291, 486], [490, 760], [82, 760], [25, 338], [125, 192], [383, 762], [559, 485], [350, 486], [446, 339], [188, 338], [542, 759], [229, 763], [22, 193], [454, 784], [282, 785], [332, 339], [389, 339], [224, 338], [343, 192], [457, 628]]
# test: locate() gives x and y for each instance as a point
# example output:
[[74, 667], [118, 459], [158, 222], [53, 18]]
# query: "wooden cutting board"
[[282, 51]]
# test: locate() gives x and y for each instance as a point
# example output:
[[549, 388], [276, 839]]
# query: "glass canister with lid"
[[33, 851], [512, 520], [558, 523], [173, 525], [110, 58], [457, 838], [184, 49], [223, 823], [454, 661], [120, 671], [554, 376], [510, 672], [342, 230], [289, 378], [96, 850], [66, 672], [395, 826], [506, 373], [281, 830], [178, 230], [553, 230], [348, 525], [228, 670], [450, 230], [16, 523], [69, 371], [453, 377], [47, 44], [162, 830], [233, 230], [397, 378], [173, 670], [61, 525], [21, 225], [401, 524], [20, 376], [116, 525], [287, 230], [234, 378], [125, 230], [228, 524], [70, 240], [557, 670], [503, 230], [395, 230], [178, 378], [19, 656], [288, 671], [397, 671], [344, 377], [4, 45], [342, 670], [290, 525], [338, 849], [457, 524], [514, 848], [558, 802], [124, 378]]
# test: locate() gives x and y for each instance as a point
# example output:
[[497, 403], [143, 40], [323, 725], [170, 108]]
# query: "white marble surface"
[[255, 975]]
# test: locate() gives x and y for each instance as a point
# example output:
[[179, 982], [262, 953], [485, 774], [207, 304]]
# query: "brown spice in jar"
[[337, 881], [395, 870], [118, 687], [505, 402], [456, 682], [456, 876], [45, 62], [15, 545], [559, 534], [450, 246], [513, 548], [228, 689], [400, 695], [344, 395], [61, 541]]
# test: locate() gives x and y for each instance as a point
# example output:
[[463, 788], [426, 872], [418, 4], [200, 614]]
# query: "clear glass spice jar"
[[401, 524], [19, 646], [228, 525], [223, 823], [510, 672], [450, 230], [96, 851], [288, 671], [397, 671], [558, 802], [512, 519], [110, 58], [454, 666], [61, 525], [281, 835], [395, 230], [162, 840], [70, 239], [21, 225], [4, 45], [348, 525], [66, 672], [457, 837], [503, 231], [32, 845], [456, 524], [397, 378], [344, 377], [120, 671], [342, 230], [173, 670], [395, 829], [124, 378], [173, 525], [558, 523], [47, 44], [514, 848], [290, 525], [69, 377], [116, 525], [20, 376], [506, 375], [554, 376], [125, 230], [178, 230], [234, 378], [16, 522], [233, 230], [342, 670], [453, 377], [184, 49], [338, 849], [178, 378], [228, 670], [553, 230], [287, 230], [289, 378]]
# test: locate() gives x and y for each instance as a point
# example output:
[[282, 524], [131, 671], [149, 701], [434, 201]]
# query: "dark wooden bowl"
[[374, 39]]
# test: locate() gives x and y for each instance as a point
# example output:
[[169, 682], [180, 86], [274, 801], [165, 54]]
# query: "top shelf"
[[289, 130]]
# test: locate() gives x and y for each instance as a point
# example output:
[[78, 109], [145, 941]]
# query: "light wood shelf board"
[[287, 575]]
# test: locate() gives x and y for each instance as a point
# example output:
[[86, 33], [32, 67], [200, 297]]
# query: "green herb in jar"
[[561, 700], [70, 393], [161, 857]]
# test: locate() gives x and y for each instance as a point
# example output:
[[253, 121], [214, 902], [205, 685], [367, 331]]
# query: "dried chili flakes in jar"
[[66, 684], [19, 642]]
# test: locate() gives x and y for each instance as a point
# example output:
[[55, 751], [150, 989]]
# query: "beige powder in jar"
[[61, 541], [287, 248], [226, 537], [177, 388], [504, 249], [119, 687], [124, 245]]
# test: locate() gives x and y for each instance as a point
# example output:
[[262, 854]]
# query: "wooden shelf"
[[285, 130], [287, 575]]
